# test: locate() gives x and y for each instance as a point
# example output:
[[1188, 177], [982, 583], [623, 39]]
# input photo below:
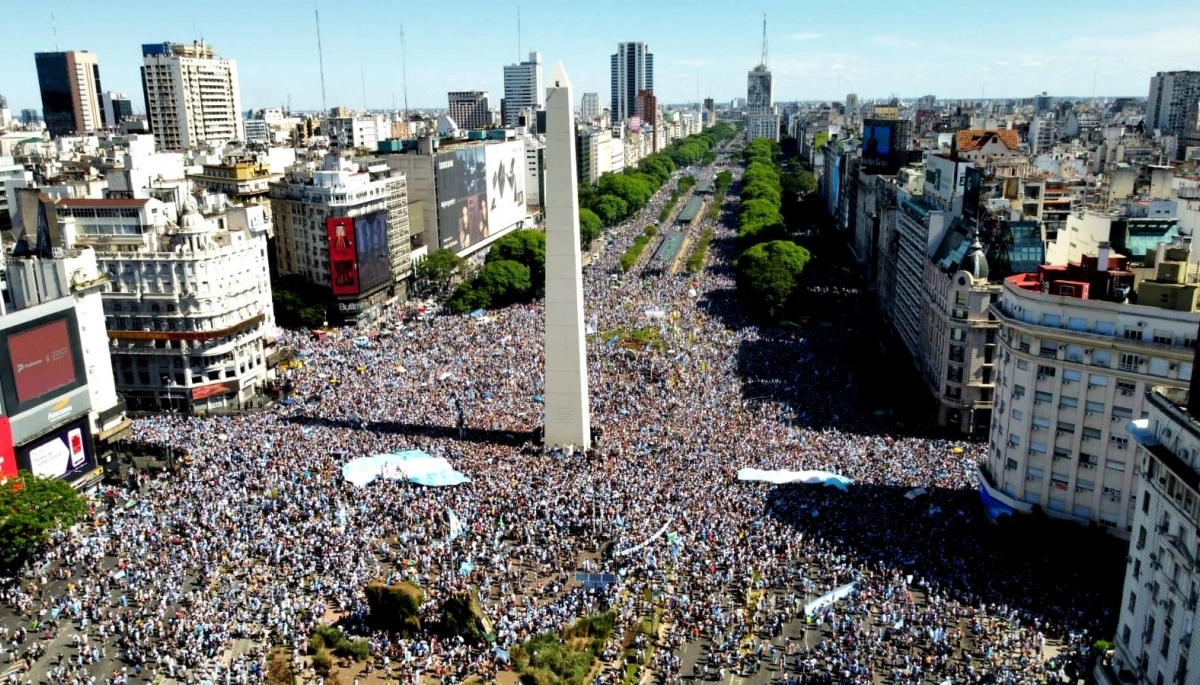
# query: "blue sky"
[[875, 48]]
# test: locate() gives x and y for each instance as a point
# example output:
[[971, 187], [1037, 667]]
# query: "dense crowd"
[[258, 537]]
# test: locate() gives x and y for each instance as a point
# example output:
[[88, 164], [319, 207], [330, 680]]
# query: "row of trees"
[[616, 197], [31, 508], [771, 265], [514, 271]]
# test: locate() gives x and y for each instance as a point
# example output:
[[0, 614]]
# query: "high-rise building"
[[70, 85], [192, 96], [762, 121], [343, 225], [522, 88], [589, 107], [1171, 93], [116, 107], [632, 72], [469, 109], [645, 106]]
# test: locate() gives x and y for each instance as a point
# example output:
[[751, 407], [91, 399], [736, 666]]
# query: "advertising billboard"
[[64, 453], [371, 245], [506, 185], [884, 145], [203, 392], [462, 211], [8, 458], [972, 188], [343, 256], [40, 360]]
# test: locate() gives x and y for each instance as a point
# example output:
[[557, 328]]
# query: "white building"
[[117, 108], [192, 96], [1171, 94], [356, 131], [535, 160], [589, 107], [1074, 369], [307, 199], [256, 131], [1162, 582], [470, 110], [523, 88], [1043, 132]]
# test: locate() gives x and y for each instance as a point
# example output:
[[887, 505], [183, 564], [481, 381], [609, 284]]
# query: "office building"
[[1171, 93], [632, 72], [469, 109], [1043, 132], [187, 301], [116, 107], [344, 225], [1162, 582], [70, 87], [762, 121], [522, 88], [1076, 360], [192, 96], [589, 107]]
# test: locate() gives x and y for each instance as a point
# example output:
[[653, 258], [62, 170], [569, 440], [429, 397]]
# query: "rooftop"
[[115, 203], [969, 141]]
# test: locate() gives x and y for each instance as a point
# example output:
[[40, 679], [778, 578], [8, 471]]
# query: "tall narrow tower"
[[568, 411]]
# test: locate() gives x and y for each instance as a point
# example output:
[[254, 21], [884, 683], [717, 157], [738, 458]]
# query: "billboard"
[[40, 359], [8, 458], [462, 211], [972, 188], [64, 453], [203, 392], [343, 256], [371, 245], [883, 145], [506, 185]]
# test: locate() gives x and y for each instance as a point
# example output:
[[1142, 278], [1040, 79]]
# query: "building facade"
[[523, 88], [309, 205], [632, 71], [187, 303], [469, 109], [192, 96], [589, 107], [1171, 93], [116, 107], [70, 86], [762, 121], [1075, 364], [1162, 583]]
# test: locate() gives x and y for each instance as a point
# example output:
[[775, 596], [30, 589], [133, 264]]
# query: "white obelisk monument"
[[568, 416]]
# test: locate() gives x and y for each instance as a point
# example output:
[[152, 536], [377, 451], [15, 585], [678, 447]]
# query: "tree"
[[439, 270], [590, 227], [32, 507], [526, 247], [634, 191], [724, 180], [611, 209], [768, 276], [505, 281], [761, 190], [758, 212], [468, 297]]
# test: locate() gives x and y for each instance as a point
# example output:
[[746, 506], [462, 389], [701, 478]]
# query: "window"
[[958, 334], [1163, 338], [1097, 381], [1041, 422], [1018, 415], [1090, 434], [1102, 358], [1105, 328], [1062, 453], [1040, 397], [1064, 427], [1132, 599], [1114, 465], [1130, 362], [1046, 371], [1075, 353], [1082, 485], [1065, 402], [1118, 442], [1034, 473], [1018, 391], [1048, 350], [1022, 365], [1036, 447], [1126, 388], [1010, 465], [1114, 493], [1052, 320], [1014, 440], [1133, 333], [1122, 413]]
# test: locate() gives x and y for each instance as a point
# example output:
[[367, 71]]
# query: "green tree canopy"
[[768, 276], [505, 281], [30, 508], [438, 271], [634, 191], [761, 190], [527, 247], [611, 209], [590, 226], [758, 212]]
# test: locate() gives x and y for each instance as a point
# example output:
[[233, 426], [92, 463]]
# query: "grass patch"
[[329, 639], [551, 659], [685, 184], [633, 338], [668, 207], [695, 261], [634, 251], [714, 211]]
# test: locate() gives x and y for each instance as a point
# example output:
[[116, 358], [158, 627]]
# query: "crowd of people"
[[258, 538]]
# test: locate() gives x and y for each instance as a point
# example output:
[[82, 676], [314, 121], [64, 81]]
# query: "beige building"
[[192, 96], [1075, 362]]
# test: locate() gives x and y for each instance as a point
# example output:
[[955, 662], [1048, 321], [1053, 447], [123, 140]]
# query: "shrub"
[[695, 261], [394, 608], [630, 257], [322, 662]]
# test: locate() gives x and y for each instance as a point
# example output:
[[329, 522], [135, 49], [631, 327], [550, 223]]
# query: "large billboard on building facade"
[[40, 361], [884, 145], [506, 185], [371, 245], [462, 183], [63, 453], [8, 458], [343, 256]]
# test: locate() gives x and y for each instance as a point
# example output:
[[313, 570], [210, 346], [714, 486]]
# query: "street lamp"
[[167, 381]]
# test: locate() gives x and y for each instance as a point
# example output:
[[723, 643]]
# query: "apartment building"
[[359, 206], [470, 109], [1076, 359], [192, 96], [1162, 582], [187, 302], [523, 88]]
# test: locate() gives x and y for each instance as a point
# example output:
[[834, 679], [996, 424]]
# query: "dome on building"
[[192, 220], [975, 262]]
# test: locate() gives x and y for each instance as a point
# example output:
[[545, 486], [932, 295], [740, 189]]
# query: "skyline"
[[811, 56]]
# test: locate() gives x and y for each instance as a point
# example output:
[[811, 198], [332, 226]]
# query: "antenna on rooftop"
[[321, 62], [764, 46], [404, 71], [54, 27]]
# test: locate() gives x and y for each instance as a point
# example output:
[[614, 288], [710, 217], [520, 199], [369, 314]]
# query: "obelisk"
[[568, 418]]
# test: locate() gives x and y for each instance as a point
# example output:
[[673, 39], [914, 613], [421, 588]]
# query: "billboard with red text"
[[343, 256]]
